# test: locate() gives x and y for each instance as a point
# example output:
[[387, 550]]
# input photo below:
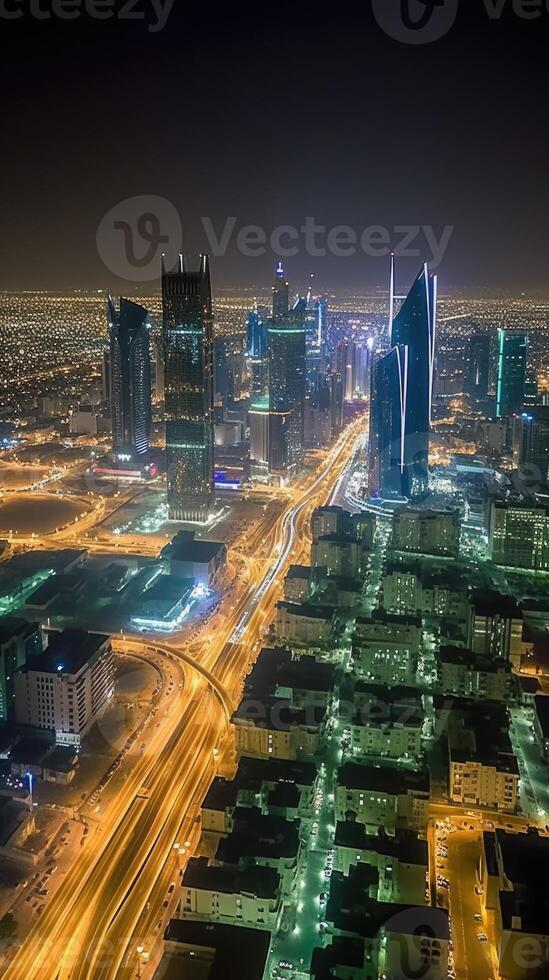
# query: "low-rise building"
[[298, 583], [473, 675], [386, 722], [214, 949], [303, 624], [249, 895], [254, 783], [541, 724], [513, 877], [497, 627], [264, 840], [339, 554], [382, 797], [401, 940], [519, 535], [65, 688], [401, 860], [386, 648], [427, 532], [332, 520], [483, 768], [191, 558]]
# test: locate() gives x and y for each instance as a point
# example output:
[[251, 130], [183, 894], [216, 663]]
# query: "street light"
[[29, 777]]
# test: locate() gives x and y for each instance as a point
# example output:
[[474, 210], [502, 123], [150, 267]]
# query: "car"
[[286, 965], [164, 905], [323, 898], [477, 917], [478, 889], [482, 937]]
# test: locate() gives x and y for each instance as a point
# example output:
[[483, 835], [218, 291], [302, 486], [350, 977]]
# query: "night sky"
[[271, 113]]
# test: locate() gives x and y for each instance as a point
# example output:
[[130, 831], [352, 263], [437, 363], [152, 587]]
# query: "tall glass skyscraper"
[[188, 391], [257, 350], [512, 355], [409, 375], [129, 382], [287, 381]]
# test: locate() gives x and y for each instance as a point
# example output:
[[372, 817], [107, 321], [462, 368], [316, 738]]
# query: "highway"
[[112, 894]]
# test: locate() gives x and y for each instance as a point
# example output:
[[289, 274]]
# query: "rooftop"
[[186, 547], [405, 845], [67, 652], [224, 943], [260, 836], [384, 779], [251, 880], [12, 626]]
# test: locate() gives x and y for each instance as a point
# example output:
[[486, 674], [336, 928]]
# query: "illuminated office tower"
[[316, 334], [477, 367], [287, 381], [257, 350], [130, 378], [389, 380], [512, 354], [401, 396], [188, 391], [533, 445]]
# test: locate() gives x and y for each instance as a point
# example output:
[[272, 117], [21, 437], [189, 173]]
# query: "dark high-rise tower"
[[477, 367], [533, 445], [129, 366], [188, 391], [512, 354], [287, 382], [409, 375]]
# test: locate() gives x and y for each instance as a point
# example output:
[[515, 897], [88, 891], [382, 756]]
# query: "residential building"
[[382, 797], [264, 840], [428, 532], [249, 895], [215, 949], [402, 860], [483, 768], [386, 648], [63, 690], [473, 675], [512, 873], [519, 535]]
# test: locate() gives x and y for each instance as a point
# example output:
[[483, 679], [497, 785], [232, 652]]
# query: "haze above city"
[[270, 116]]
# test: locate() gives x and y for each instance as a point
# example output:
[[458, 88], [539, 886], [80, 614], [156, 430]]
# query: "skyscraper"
[[188, 391], [533, 445], [129, 366], [402, 390], [257, 350], [477, 367], [316, 331], [287, 381], [512, 354]]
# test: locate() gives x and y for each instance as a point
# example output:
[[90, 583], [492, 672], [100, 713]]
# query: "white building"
[[64, 689]]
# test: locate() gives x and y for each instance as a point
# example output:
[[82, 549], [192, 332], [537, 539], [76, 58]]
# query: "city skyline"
[[274, 491]]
